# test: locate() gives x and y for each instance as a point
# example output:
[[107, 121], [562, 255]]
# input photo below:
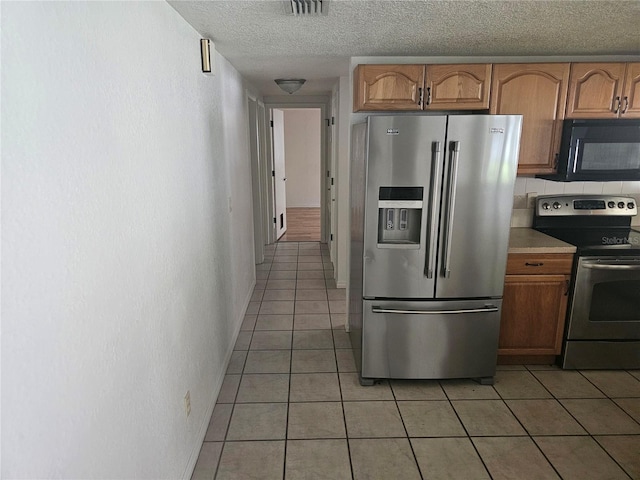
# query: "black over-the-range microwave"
[[598, 150]]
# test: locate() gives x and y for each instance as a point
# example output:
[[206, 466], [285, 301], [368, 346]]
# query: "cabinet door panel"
[[538, 92], [388, 87], [458, 87], [595, 90], [631, 96], [533, 312]]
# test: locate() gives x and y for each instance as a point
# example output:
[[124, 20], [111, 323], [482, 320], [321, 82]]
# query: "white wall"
[[302, 156], [124, 281]]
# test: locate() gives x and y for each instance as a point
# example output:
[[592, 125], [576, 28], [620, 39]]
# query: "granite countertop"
[[528, 240]]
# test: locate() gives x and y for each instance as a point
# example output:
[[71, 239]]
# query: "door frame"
[[257, 145], [325, 162]]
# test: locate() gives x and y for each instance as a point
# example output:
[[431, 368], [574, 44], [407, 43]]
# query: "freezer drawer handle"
[[433, 216], [486, 309], [453, 174]]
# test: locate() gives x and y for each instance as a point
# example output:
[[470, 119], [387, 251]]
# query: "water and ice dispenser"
[[399, 217]]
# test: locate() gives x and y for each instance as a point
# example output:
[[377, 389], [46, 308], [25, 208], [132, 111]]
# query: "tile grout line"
[[286, 427], [344, 416], [528, 434], [464, 427], [415, 458], [592, 436], [559, 402]]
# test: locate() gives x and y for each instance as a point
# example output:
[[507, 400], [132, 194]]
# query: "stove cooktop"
[[622, 240], [595, 224]]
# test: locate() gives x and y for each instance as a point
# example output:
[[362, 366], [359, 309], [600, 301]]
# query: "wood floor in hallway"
[[303, 225]]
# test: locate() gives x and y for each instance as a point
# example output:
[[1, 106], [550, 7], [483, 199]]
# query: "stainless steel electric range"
[[603, 318]]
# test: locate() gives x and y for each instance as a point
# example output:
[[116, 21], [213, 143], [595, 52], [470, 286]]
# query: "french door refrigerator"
[[431, 201]]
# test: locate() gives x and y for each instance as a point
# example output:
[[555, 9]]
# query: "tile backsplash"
[[528, 188]]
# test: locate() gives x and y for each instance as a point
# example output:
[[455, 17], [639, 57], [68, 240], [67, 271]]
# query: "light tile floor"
[[291, 406]]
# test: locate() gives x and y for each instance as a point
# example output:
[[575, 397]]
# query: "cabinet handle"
[[538, 264], [625, 103], [428, 95], [420, 96], [616, 105], [567, 284]]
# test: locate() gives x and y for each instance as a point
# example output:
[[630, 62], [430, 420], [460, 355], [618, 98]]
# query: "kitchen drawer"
[[538, 264]]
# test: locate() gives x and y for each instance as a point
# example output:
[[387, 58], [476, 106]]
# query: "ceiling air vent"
[[306, 8]]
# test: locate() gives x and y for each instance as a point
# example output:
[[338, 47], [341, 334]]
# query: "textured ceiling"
[[264, 43]]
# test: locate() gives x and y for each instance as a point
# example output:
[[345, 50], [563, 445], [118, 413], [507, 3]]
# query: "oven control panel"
[[577, 205]]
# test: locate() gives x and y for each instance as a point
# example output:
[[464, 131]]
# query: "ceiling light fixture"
[[290, 85]]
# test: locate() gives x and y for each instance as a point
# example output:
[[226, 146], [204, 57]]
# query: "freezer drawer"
[[429, 340]]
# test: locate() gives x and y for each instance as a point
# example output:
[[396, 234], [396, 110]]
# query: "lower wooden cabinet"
[[534, 305]]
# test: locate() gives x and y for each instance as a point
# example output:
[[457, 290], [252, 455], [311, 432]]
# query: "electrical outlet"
[[187, 403]]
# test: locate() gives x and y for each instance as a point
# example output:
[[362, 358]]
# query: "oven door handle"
[[486, 309], [611, 266]]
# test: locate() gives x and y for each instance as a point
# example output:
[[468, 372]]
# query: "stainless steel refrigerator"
[[431, 201]]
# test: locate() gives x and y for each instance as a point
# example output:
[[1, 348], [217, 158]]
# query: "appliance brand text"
[[619, 241]]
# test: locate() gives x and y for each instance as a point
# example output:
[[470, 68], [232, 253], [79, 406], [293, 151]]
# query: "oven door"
[[606, 299]]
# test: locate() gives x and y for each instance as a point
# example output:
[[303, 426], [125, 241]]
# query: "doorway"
[[297, 160], [300, 177]]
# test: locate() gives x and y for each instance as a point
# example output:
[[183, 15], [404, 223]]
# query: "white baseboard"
[[202, 431]]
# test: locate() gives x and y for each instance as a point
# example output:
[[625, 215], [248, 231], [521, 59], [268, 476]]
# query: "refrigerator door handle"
[[485, 309], [451, 205], [433, 214]]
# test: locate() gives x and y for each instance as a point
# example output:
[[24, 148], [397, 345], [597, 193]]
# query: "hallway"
[[291, 406]]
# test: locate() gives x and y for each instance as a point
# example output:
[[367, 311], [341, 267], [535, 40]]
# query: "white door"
[[279, 177]]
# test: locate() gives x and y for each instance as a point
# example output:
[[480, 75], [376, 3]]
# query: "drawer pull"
[[537, 264]]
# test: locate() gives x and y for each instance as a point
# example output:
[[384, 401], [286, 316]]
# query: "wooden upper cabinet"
[[538, 92], [631, 108], [387, 87], [595, 90], [457, 87], [420, 87], [604, 90]]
